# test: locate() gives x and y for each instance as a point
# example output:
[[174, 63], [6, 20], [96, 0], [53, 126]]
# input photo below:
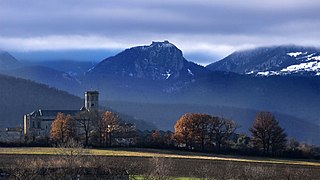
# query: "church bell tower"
[[91, 99]]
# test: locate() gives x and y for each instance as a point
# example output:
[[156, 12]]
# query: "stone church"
[[37, 124]]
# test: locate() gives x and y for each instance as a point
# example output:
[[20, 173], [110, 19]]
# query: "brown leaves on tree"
[[193, 129], [63, 128], [109, 123]]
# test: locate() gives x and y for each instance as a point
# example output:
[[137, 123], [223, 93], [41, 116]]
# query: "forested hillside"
[[19, 96]]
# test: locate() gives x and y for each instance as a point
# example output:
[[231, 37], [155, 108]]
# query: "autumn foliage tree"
[[63, 128], [183, 130], [109, 123], [202, 129], [267, 134]]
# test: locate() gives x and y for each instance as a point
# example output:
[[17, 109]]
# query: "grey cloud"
[[232, 22], [104, 17]]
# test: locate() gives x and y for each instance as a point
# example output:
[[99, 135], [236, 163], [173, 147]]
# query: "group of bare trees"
[[87, 126], [203, 130]]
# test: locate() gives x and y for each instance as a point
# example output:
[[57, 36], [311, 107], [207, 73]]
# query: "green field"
[[133, 152]]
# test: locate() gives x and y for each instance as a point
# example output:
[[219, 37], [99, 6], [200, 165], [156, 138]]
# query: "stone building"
[[11, 134], [37, 124], [91, 100]]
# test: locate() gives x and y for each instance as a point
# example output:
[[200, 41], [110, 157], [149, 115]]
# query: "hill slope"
[[7, 61], [277, 60], [165, 115], [19, 96], [49, 76]]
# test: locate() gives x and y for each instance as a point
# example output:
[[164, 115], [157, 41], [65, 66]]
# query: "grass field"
[[132, 152], [179, 164]]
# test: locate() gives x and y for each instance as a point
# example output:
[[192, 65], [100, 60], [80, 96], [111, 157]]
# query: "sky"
[[205, 30]]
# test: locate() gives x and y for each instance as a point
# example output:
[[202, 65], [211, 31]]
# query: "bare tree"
[[220, 130], [160, 169], [200, 124], [71, 160], [86, 121], [267, 134]]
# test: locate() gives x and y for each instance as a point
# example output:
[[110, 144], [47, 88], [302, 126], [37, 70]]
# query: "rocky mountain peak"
[[157, 61]]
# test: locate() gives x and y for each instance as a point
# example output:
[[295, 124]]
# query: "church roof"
[[41, 112]]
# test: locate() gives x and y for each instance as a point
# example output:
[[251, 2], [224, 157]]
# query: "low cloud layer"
[[212, 27]]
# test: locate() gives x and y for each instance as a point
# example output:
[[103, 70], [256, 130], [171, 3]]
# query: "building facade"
[[37, 124]]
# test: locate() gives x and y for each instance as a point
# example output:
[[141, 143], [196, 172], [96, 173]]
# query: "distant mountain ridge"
[[49, 76], [158, 73], [71, 67], [7, 61], [158, 61], [268, 61]]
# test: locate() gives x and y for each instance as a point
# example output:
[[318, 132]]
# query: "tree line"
[[90, 127], [193, 131]]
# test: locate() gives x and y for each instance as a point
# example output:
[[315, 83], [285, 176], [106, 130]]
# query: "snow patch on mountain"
[[294, 54], [314, 58], [190, 72], [268, 61], [167, 74], [268, 73], [309, 66], [91, 69], [165, 44]]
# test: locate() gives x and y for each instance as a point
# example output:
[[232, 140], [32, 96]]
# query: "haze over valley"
[[157, 84]]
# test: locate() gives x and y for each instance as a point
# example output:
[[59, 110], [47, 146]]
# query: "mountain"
[[158, 61], [19, 96], [44, 74], [155, 72], [268, 61], [7, 61], [49, 76], [297, 96], [158, 73], [71, 67], [131, 77]]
